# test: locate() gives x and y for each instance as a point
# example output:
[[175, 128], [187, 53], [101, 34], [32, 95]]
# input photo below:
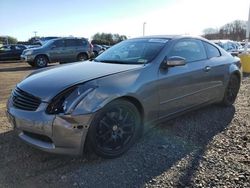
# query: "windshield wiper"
[[113, 61], [117, 62]]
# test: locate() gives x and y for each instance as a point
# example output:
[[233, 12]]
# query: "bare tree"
[[235, 30]]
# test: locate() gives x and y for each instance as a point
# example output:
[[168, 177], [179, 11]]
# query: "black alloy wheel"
[[114, 129]]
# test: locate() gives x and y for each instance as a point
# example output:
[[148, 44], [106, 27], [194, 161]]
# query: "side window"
[[230, 46], [17, 48], [225, 46], [20, 47], [70, 42], [81, 42], [5, 48], [59, 43], [212, 51], [190, 49], [12, 48]]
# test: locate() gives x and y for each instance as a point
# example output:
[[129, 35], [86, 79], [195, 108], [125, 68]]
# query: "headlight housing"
[[29, 52], [67, 100]]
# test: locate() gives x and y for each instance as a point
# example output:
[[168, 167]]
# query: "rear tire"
[[114, 129], [231, 91], [82, 57], [41, 61]]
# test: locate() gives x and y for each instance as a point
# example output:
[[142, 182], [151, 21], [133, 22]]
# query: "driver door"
[[184, 87]]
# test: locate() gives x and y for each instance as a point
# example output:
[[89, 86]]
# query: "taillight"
[[91, 46]]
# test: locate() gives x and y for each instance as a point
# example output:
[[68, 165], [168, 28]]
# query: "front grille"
[[25, 101]]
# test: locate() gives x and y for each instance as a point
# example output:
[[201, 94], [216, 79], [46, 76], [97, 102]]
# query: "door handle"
[[207, 68]]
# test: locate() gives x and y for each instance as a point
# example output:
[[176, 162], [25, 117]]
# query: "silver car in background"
[[105, 104], [232, 47]]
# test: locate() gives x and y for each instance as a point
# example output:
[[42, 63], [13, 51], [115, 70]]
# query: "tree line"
[[98, 38], [7, 40], [235, 30], [108, 38]]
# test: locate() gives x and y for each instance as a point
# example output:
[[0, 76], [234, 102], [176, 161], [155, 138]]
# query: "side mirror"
[[173, 61]]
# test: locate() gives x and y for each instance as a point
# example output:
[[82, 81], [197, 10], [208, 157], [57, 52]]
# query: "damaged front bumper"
[[62, 134]]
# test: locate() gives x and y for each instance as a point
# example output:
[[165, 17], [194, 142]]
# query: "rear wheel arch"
[[237, 73], [231, 89]]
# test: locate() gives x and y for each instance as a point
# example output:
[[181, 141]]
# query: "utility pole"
[[247, 32], [143, 28], [35, 32]]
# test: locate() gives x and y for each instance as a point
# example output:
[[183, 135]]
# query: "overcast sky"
[[84, 18]]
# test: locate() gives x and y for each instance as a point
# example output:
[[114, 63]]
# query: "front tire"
[[41, 61], [231, 91], [114, 129]]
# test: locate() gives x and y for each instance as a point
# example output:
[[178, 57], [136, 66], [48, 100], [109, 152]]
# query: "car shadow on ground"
[[13, 69], [21, 68], [160, 150]]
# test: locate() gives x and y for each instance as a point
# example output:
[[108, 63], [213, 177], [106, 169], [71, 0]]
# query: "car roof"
[[82, 38], [172, 37]]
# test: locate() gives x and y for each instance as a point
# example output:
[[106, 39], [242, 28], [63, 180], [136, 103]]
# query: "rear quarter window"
[[83, 42], [212, 51]]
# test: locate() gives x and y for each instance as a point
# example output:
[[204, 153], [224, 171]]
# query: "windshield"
[[47, 43], [137, 51]]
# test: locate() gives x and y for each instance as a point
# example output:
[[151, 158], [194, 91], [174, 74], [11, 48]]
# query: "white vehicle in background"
[[243, 48], [230, 46]]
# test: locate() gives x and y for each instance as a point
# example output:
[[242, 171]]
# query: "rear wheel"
[[41, 61], [231, 90], [114, 129], [82, 57]]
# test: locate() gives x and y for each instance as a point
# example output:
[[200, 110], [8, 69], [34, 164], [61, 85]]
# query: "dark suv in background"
[[61, 50], [11, 51]]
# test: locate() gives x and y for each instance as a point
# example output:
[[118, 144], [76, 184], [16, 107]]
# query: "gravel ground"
[[209, 147]]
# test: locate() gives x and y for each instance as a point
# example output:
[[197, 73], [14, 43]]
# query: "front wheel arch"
[[137, 104]]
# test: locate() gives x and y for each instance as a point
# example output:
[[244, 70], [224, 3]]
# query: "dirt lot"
[[209, 147]]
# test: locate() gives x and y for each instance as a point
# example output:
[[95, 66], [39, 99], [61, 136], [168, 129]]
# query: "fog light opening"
[[80, 127]]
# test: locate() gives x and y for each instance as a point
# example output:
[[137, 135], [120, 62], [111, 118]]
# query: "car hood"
[[34, 49], [48, 82]]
